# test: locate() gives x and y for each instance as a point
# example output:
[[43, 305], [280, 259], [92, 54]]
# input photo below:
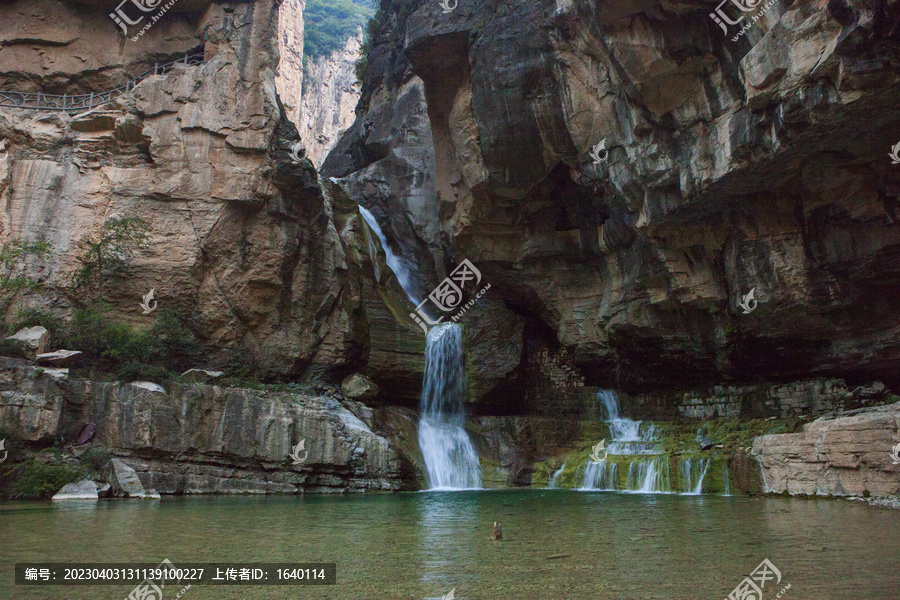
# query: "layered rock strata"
[[755, 164], [848, 455]]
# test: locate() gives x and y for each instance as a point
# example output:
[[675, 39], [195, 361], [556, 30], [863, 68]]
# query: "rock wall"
[[848, 455], [759, 163], [272, 264], [198, 439], [330, 94], [289, 75]]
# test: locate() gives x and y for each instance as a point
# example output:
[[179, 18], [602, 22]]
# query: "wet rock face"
[[755, 164], [843, 456]]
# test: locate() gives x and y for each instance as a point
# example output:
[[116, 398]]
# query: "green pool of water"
[[557, 544]]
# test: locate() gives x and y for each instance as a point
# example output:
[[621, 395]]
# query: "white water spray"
[[396, 263], [450, 458]]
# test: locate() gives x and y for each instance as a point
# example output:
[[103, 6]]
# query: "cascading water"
[[601, 476], [692, 474], [648, 476], [647, 471], [450, 458], [554, 479], [401, 270]]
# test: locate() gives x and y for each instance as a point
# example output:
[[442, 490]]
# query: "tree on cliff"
[[110, 255], [13, 257]]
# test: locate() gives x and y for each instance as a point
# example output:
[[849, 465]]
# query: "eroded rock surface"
[[835, 456], [755, 164], [330, 94]]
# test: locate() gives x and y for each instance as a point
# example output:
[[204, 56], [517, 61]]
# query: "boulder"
[[201, 375], [31, 341], [104, 491], [124, 482], [359, 387], [82, 490], [59, 358]]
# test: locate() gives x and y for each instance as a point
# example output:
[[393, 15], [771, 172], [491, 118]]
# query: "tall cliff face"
[[271, 264], [329, 98], [289, 76], [747, 161]]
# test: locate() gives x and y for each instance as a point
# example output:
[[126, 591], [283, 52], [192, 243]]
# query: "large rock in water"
[[82, 490], [31, 341], [835, 456], [124, 481]]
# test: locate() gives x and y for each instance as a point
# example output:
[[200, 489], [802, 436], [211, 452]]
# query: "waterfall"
[[628, 436], [398, 265], [727, 486], [692, 474], [601, 475], [649, 476], [555, 477], [450, 458], [648, 472]]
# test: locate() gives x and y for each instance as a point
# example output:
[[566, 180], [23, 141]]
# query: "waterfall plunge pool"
[[556, 544]]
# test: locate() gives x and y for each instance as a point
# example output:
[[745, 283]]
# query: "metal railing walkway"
[[83, 102]]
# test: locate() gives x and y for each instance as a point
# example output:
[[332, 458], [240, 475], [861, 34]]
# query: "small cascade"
[[554, 479], [628, 437], [692, 474], [397, 264], [647, 472], [450, 458], [727, 484], [649, 476], [603, 476]]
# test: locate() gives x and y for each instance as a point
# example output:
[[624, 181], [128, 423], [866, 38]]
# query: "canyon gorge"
[[624, 176]]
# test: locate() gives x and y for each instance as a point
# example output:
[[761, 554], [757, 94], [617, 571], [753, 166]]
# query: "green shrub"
[[95, 460], [39, 481], [169, 345]]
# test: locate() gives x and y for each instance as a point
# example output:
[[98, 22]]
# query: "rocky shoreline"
[[198, 438]]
